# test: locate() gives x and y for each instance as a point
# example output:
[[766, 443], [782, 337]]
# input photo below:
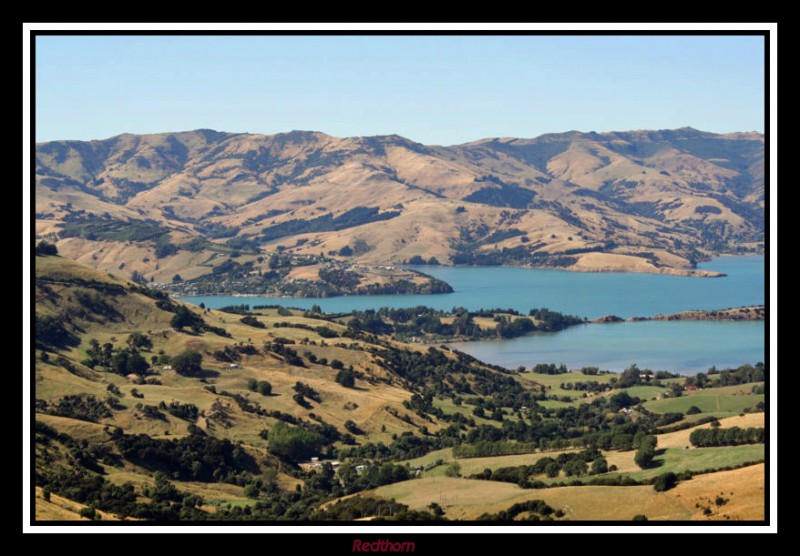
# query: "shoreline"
[[732, 314], [663, 271]]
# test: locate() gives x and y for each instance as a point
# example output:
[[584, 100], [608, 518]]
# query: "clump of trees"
[[188, 363], [50, 332], [184, 318], [261, 386], [377, 508], [352, 427], [85, 407], [307, 391], [733, 436], [129, 361], [196, 457], [294, 444], [552, 320], [180, 410], [140, 341], [573, 465], [536, 510], [372, 475], [250, 320], [279, 346], [46, 249], [646, 451]]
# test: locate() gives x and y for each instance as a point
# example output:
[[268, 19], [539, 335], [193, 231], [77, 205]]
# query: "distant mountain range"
[[186, 203]]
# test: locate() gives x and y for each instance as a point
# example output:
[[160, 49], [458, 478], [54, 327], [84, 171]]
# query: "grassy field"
[[671, 455], [716, 400], [450, 408], [698, 459], [679, 439], [557, 404], [468, 499], [742, 489], [553, 381], [646, 392]]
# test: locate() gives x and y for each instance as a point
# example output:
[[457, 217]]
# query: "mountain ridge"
[[653, 201]]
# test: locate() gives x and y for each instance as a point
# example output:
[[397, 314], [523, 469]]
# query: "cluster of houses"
[[314, 463]]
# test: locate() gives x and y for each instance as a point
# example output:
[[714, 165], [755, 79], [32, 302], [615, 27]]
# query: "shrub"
[[346, 378], [665, 481], [45, 248], [89, 513], [264, 388], [352, 427], [187, 363], [453, 469], [139, 340]]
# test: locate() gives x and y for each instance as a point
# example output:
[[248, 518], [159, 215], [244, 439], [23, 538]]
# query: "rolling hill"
[[155, 206], [151, 409]]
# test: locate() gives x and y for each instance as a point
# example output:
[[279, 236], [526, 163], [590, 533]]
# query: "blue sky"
[[435, 90]]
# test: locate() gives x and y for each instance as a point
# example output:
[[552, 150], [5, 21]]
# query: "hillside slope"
[[108, 379], [182, 203], [147, 408]]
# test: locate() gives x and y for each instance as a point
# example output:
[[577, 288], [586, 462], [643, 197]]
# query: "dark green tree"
[[185, 318], [599, 465], [346, 378], [139, 340], [45, 249], [665, 481], [646, 452], [264, 388], [187, 363]]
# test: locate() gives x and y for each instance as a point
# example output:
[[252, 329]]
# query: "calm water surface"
[[685, 346]]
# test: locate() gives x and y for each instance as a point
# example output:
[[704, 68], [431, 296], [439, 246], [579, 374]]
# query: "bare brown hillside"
[[645, 201]]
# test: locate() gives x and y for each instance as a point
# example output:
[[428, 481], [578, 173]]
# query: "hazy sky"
[[434, 89]]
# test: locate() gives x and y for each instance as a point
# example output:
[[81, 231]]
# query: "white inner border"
[[431, 27]]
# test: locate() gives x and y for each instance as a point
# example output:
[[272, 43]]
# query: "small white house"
[[233, 366], [315, 460], [360, 469]]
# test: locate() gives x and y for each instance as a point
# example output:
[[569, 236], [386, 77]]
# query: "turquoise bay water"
[[584, 294], [685, 346], [682, 346]]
